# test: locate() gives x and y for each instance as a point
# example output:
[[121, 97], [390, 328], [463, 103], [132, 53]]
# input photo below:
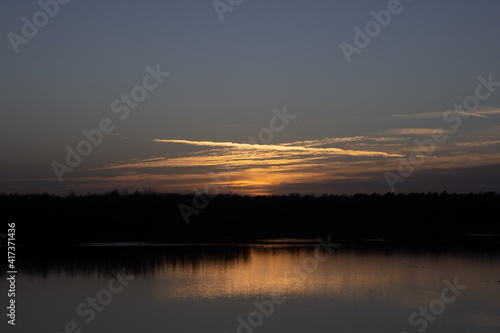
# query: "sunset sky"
[[253, 98]]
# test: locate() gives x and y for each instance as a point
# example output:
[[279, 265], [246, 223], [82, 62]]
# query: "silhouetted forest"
[[43, 219]]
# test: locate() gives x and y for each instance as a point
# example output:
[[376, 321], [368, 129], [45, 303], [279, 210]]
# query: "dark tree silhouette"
[[43, 219]]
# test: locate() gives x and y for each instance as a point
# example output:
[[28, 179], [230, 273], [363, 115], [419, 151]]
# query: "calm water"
[[256, 288]]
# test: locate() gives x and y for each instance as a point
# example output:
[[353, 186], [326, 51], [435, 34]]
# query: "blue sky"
[[226, 77]]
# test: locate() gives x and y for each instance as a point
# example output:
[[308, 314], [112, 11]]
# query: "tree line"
[[45, 219]]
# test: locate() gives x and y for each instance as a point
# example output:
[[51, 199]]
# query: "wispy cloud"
[[477, 143], [328, 141], [482, 113], [282, 147], [317, 165], [411, 131], [307, 165], [262, 177]]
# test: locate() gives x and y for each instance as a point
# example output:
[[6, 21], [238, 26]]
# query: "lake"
[[280, 286]]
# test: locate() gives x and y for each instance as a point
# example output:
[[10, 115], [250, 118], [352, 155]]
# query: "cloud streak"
[[327, 141], [282, 147], [412, 131], [483, 113]]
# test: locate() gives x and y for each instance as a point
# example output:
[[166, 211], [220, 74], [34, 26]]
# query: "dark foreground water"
[[255, 288]]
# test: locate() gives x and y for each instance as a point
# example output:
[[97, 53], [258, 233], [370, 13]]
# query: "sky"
[[250, 96]]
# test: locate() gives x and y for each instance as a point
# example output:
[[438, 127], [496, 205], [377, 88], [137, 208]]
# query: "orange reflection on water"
[[407, 280], [261, 274]]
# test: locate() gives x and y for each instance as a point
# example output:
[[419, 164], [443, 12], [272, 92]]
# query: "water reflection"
[[139, 259], [402, 278], [355, 289]]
